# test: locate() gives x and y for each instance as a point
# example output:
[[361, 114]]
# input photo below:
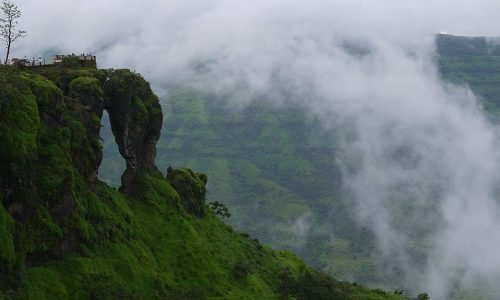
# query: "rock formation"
[[191, 189], [50, 151], [136, 120]]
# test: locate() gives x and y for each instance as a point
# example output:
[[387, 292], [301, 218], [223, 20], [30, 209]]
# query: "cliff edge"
[[66, 235]]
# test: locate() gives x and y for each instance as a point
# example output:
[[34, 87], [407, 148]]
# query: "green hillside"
[[275, 166], [66, 235], [475, 62]]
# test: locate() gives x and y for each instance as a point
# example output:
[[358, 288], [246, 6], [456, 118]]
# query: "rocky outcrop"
[[191, 189], [50, 153], [86, 93], [136, 121], [19, 127]]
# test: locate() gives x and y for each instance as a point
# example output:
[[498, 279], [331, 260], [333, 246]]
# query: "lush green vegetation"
[[66, 235], [474, 61], [274, 167]]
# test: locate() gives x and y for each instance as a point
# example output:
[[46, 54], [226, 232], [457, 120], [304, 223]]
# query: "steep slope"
[[66, 235], [275, 167], [474, 61]]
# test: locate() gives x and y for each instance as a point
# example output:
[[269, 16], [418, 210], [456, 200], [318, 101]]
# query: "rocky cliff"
[[50, 152], [66, 235], [136, 121]]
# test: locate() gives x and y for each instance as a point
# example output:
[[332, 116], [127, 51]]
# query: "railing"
[[29, 62], [84, 59]]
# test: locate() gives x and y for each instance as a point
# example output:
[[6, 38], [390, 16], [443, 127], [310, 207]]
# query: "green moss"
[[157, 192], [62, 75], [87, 90], [124, 84], [55, 169], [38, 236], [19, 123], [85, 82], [7, 252], [104, 216], [49, 97], [139, 107], [191, 189]]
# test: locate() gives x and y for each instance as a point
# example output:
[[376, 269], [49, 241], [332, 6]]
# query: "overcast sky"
[[162, 38], [393, 96]]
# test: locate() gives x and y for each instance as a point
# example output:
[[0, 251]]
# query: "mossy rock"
[[62, 76], [19, 124], [87, 90], [48, 96], [191, 189], [136, 121]]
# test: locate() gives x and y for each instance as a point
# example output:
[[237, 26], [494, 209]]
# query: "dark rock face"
[[191, 189], [136, 121], [50, 152]]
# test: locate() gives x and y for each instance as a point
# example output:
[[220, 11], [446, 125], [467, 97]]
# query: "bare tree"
[[8, 23]]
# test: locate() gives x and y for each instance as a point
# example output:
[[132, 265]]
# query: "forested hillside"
[[474, 61]]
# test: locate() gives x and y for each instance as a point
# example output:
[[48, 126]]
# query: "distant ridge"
[[451, 45]]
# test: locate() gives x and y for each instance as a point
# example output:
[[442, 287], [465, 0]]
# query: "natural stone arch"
[[136, 120]]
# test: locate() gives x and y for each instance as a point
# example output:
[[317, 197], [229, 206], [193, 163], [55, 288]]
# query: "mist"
[[419, 144]]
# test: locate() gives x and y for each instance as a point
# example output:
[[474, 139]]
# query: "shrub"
[[241, 269], [220, 209]]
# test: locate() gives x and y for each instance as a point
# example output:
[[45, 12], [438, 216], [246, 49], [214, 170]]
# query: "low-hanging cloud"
[[234, 39], [419, 144]]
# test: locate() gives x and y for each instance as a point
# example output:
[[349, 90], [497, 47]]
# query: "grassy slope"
[[172, 255], [166, 253], [129, 248], [275, 169]]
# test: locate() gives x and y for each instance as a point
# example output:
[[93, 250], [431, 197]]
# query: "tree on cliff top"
[[8, 23]]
